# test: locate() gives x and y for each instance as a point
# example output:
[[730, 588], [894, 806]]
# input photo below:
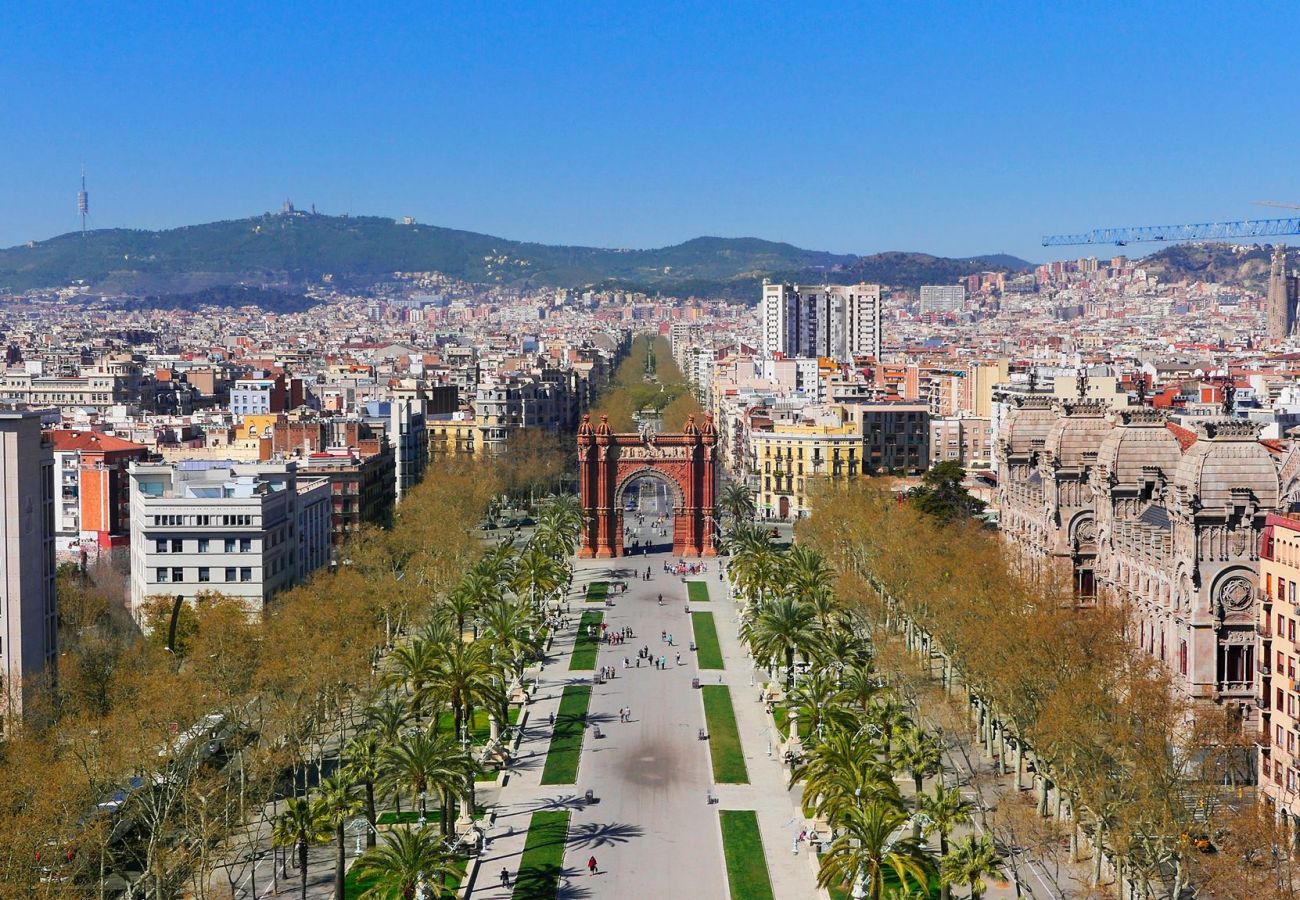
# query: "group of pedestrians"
[[682, 567]]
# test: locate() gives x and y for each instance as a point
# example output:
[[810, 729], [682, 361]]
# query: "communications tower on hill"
[[83, 201]]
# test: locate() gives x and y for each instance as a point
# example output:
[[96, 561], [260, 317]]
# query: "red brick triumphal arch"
[[609, 461]]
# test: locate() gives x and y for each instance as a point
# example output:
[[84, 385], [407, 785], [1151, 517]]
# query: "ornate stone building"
[[1117, 501]]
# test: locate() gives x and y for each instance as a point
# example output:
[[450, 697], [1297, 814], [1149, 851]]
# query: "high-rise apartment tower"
[[836, 321]]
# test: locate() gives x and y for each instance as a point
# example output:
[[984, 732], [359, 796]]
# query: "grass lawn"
[[566, 742], [543, 857], [479, 729], [845, 891], [354, 885], [742, 846], [584, 649], [597, 591], [708, 655], [697, 592], [724, 737]]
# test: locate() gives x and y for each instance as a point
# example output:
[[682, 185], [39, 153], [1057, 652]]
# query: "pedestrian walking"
[[679, 659], [629, 714], [591, 865], [552, 718], [505, 878]]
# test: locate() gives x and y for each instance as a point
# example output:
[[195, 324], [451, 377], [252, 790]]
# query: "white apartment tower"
[[28, 615], [834, 320]]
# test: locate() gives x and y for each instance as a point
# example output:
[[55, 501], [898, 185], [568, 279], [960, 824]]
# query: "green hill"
[[287, 250]]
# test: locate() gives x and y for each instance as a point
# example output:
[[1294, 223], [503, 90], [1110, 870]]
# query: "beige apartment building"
[[1279, 699]]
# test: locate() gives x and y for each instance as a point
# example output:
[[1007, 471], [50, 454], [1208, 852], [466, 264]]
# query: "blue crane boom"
[[1208, 231]]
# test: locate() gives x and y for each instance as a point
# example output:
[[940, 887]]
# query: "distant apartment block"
[[835, 321], [942, 298], [243, 530], [29, 620]]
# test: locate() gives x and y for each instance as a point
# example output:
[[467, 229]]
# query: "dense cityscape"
[[377, 382]]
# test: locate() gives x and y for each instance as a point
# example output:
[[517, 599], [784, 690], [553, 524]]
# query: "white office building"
[[838, 321], [245, 530], [942, 298], [28, 614]]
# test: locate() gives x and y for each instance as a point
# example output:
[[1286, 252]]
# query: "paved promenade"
[[652, 830]]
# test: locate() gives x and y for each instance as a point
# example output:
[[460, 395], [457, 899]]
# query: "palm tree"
[[467, 678], [397, 866], [510, 626], [783, 627], [890, 715], [868, 848], [818, 694], [476, 589], [363, 755], [970, 859], [944, 810], [538, 574], [425, 761], [339, 803], [805, 572], [838, 772], [412, 666], [738, 501], [304, 822], [918, 754]]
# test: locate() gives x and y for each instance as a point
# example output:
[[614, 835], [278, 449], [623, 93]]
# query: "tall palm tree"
[[363, 767], [838, 772], [510, 626], [868, 849], [339, 803], [944, 809], [817, 694], [476, 589], [538, 574], [303, 823], [890, 715], [467, 678], [805, 572], [412, 667], [397, 866], [784, 627], [919, 755], [424, 761], [969, 861], [738, 501]]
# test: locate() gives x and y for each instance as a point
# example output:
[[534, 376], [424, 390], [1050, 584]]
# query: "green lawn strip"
[[708, 655], [742, 846], [597, 591], [697, 592], [724, 736], [543, 858], [845, 891], [566, 741], [584, 649], [480, 730], [354, 884]]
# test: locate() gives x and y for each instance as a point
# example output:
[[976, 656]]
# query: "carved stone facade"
[[1171, 532], [609, 461]]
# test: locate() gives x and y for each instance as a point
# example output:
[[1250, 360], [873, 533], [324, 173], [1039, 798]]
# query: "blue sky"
[[952, 128]]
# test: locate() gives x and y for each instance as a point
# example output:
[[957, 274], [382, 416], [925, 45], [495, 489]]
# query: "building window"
[[178, 574], [178, 546], [245, 574], [160, 576], [230, 574], [205, 574], [203, 545], [230, 545], [161, 546], [245, 545]]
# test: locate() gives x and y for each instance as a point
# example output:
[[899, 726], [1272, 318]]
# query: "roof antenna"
[[83, 200]]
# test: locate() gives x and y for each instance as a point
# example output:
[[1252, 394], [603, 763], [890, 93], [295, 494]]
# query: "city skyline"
[[959, 134]]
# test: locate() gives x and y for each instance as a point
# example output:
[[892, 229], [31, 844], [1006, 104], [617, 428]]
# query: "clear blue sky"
[[953, 128]]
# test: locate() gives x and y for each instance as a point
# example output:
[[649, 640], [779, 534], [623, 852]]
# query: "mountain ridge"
[[289, 249]]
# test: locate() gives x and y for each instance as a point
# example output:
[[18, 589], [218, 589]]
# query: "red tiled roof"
[[1186, 437], [66, 440]]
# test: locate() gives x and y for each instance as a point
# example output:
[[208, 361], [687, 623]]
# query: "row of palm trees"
[[416, 736], [858, 735]]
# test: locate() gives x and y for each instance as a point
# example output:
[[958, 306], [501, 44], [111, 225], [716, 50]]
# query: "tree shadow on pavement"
[[567, 890], [596, 834]]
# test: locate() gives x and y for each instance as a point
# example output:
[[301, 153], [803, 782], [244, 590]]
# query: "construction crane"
[[1208, 231]]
